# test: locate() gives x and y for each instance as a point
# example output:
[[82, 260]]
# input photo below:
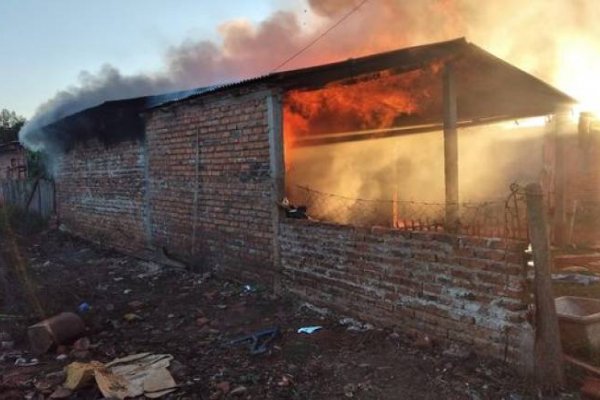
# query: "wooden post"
[[277, 167], [548, 367], [450, 149], [560, 180]]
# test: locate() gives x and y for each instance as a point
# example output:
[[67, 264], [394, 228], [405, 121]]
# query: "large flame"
[[373, 101]]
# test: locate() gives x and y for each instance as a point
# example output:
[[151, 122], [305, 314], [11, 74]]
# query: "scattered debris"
[[580, 279], [6, 342], [353, 325], [350, 390], [61, 393], [132, 317], [575, 268], [456, 351], [224, 387], [286, 380], [309, 330], [84, 308], [136, 304], [259, 341], [239, 391], [323, 312], [23, 362], [292, 211], [249, 289], [423, 342], [8, 316], [207, 313], [59, 329], [135, 375]]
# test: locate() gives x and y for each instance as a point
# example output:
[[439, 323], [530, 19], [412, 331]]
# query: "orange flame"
[[373, 101]]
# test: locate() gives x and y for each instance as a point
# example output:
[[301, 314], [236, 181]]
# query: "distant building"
[[13, 161]]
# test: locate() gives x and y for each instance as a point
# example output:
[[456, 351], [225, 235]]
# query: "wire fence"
[[497, 218]]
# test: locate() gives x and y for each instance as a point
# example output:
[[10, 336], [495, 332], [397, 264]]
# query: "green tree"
[[10, 125], [10, 119]]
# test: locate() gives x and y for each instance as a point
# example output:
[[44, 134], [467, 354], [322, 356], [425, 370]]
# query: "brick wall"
[[13, 163], [100, 192], [199, 185], [209, 182], [461, 289]]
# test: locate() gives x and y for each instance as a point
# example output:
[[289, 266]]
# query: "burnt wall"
[[456, 289]]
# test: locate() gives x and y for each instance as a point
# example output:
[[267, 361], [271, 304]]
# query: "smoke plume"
[[511, 29], [556, 41]]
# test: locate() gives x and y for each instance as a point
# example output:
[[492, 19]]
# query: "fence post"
[[548, 366]]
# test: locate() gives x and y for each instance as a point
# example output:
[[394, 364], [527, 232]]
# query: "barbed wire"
[[503, 217]]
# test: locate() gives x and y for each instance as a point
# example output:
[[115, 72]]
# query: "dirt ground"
[[138, 306]]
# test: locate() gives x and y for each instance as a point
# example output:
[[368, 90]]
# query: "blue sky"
[[45, 44]]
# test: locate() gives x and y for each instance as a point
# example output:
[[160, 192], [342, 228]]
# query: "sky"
[[46, 44], [61, 56]]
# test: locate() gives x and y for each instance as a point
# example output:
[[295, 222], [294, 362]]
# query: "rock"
[[136, 304], [457, 351], [423, 342], [82, 344], [349, 390], [286, 380], [224, 387], [56, 330], [61, 357], [200, 322], [239, 391], [61, 393]]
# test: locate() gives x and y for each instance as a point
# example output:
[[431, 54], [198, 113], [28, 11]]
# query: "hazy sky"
[[45, 44]]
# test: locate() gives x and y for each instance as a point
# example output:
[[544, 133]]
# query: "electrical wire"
[[321, 36]]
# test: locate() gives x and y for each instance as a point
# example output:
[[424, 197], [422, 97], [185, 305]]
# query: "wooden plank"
[[548, 366], [450, 149]]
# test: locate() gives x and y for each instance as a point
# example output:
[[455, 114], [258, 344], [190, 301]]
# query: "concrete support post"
[[450, 149], [560, 181]]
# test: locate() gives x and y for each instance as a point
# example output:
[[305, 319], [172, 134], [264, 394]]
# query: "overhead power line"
[[321, 36]]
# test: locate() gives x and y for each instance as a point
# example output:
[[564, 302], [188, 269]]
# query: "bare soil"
[[194, 316]]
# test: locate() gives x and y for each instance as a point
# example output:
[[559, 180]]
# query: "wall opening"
[[369, 151]]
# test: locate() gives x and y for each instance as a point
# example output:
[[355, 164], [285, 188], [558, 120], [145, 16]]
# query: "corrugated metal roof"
[[488, 87]]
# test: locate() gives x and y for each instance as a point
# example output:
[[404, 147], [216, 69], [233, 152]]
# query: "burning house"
[[212, 175]]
